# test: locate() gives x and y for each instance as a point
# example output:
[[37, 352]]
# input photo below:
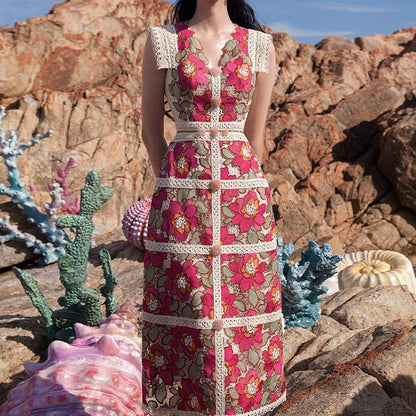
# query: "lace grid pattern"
[[258, 412]]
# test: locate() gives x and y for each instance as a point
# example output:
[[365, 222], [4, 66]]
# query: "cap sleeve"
[[264, 43], [164, 45]]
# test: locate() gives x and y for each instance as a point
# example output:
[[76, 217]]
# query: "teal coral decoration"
[[302, 282], [10, 151], [79, 303]]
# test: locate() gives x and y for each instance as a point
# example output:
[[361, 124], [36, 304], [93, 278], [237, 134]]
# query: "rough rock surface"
[[338, 149], [334, 370]]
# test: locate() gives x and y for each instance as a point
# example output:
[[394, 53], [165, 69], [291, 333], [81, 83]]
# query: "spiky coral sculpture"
[[80, 304], [302, 282], [50, 250]]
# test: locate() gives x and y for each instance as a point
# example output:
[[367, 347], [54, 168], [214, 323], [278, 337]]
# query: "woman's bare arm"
[[255, 125], [153, 81]]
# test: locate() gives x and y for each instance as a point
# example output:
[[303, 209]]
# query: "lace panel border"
[[263, 45], [176, 248], [204, 323], [206, 184], [262, 411], [164, 45]]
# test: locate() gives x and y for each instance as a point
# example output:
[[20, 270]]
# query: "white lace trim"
[[223, 136], [176, 248], [205, 323], [263, 45], [164, 45], [195, 125], [206, 183], [258, 412]]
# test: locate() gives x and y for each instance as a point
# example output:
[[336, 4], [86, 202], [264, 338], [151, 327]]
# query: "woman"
[[212, 323]]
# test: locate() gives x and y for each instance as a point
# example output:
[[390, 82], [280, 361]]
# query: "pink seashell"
[[98, 374], [135, 221]]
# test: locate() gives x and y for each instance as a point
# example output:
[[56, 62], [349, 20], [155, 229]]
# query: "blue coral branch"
[[302, 282], [10, 151]]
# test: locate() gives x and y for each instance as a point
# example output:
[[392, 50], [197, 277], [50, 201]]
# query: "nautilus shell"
[[134, 222], [376, 267], [99, 374]]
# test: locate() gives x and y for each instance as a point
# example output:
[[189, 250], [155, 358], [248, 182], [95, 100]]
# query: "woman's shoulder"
[[162, 29]]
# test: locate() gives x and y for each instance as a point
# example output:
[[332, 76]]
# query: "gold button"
[[216, 250], [215, 184]]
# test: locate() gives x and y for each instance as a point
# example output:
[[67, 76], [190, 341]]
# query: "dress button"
[[215, 100], [225, 132], [201, 132], [215, 184], [218, 325], [215, 131], [215, 71], [216, 250]]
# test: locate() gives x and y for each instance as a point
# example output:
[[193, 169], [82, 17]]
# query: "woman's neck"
[[211, 17]]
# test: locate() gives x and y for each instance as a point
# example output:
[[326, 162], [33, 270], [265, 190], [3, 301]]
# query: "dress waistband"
[[210, 134]]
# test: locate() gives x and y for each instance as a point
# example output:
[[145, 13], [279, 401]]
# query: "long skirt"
[[212, 322]]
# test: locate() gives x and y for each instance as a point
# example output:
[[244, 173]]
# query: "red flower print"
[[210, 364], [184, 159], [192, 398], [186, 340], [248, 272], [162, 363], [154, 258], [250, 389], [243, 157], [239, 74], [226, 238], [247, 336], [182, 279], [273, 356], [274, 297], [202, 104], [231, 361], [152, 302], [241, 34], [229, 195], [159, 197], [192, 72], [184, 35], [208, 301], [227, 105], [227, 301], [249, 212], [278, 394], [179, 219]]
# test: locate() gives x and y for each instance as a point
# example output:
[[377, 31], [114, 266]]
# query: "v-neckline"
[[202, 50]]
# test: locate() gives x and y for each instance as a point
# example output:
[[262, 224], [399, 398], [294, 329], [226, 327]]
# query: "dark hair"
[[240, 12]]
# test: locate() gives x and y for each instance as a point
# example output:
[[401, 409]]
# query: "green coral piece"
[[79, 303]]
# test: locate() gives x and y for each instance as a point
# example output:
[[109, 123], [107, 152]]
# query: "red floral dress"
[[212, 321]]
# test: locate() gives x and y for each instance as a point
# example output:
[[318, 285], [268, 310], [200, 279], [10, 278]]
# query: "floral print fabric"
[[229, 366]]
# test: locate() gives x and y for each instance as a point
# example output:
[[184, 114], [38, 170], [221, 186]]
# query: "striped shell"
[[135, 222], [99, 374], [376, 267]]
